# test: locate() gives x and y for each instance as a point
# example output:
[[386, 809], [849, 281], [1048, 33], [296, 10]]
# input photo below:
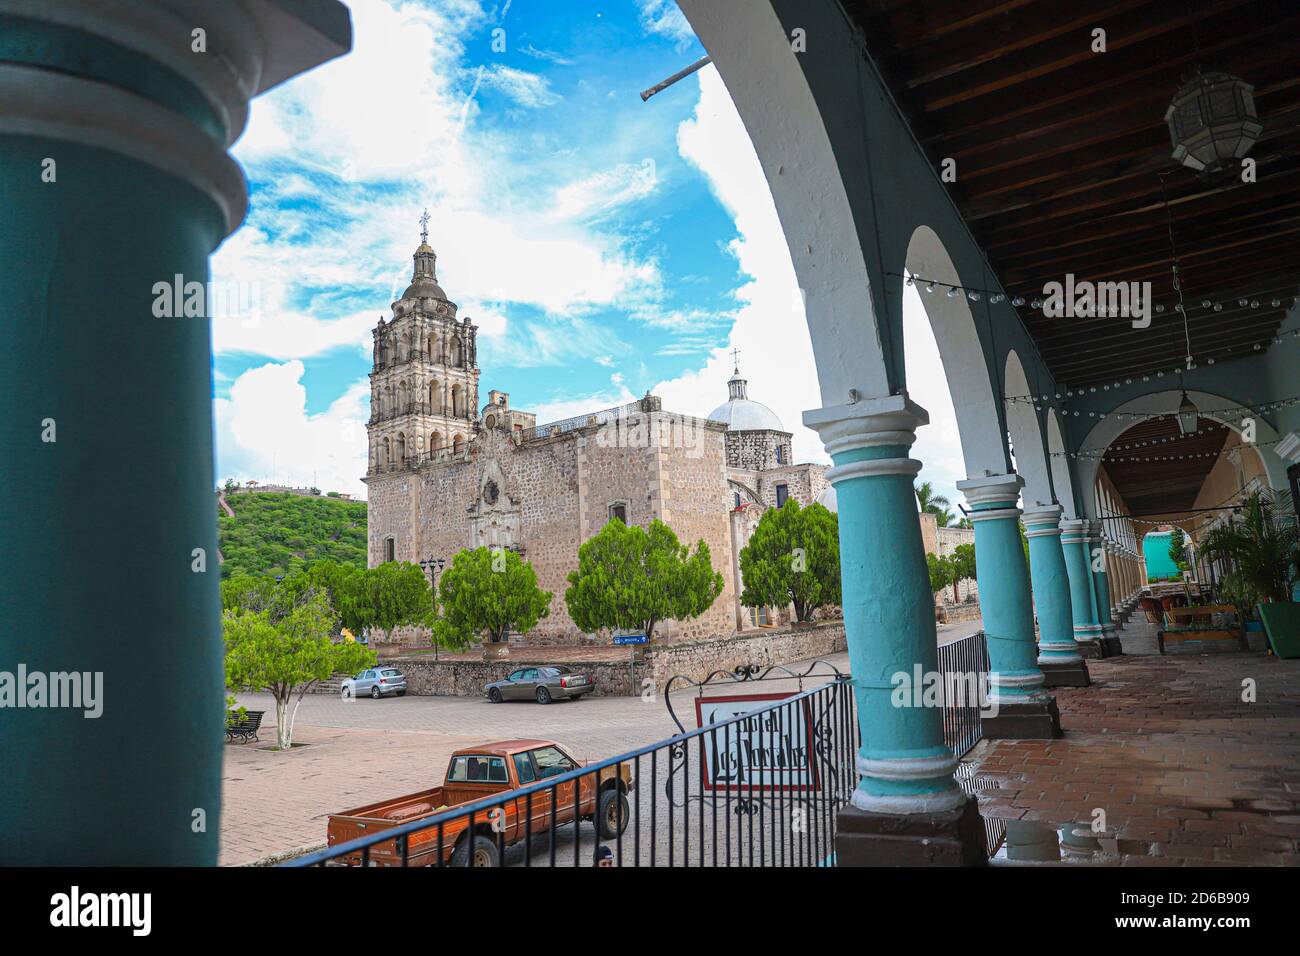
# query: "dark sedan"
[[542, 684]]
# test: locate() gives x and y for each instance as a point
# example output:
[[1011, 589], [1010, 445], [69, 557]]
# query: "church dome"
[[741, 413]]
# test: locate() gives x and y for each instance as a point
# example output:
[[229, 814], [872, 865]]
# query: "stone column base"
[[950, 838], [1112, 646], [1091, 649], [1066, 674], [1033, 720]]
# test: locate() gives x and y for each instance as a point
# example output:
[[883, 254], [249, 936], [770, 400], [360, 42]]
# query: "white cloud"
[[768, 326], [664, 18], [264, 432], [366, 139], [527, 89]]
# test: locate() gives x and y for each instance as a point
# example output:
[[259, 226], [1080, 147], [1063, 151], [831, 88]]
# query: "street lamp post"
[[434, 566]]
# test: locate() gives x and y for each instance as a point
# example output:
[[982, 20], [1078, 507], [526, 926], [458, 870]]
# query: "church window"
[[780, 454], [618, 510], [782, 493], [390, 549], [736, 495], [490, 421]]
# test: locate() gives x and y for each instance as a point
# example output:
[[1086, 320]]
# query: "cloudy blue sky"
[[604, 246]]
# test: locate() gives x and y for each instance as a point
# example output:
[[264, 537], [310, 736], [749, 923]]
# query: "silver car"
[[542, 684], [376, 682]]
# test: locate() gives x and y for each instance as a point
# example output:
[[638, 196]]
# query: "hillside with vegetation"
[[273, 534]]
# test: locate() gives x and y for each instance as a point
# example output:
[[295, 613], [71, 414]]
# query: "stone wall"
[[659, 663]]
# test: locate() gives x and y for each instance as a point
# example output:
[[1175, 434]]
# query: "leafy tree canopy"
[[793, 557], [633, 578], [940, 569], [488, 592], [289, 654], [274, 534]]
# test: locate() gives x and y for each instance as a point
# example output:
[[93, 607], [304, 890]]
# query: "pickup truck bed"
[[503, 825]]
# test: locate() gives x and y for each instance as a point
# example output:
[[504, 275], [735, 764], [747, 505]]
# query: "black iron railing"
[[964, 665], [762, 788]]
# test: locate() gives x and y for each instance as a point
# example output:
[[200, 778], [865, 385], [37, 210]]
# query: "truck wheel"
[[611, 817], [485, 853], [494, 695], [543, 695]]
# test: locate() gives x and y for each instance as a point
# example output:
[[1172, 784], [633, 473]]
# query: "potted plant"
[[1264, 555]]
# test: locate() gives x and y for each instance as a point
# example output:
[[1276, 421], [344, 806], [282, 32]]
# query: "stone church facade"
[[445, 474]]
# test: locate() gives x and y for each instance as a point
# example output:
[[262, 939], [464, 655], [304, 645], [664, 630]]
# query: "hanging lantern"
[[1212, 120], [1187, 416]]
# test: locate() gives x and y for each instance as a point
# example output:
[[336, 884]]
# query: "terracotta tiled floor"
[[1185, 770]]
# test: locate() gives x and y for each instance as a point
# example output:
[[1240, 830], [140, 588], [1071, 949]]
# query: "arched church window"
[[458, 444]]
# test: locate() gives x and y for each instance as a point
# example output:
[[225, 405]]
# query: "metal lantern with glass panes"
[[1212, 120]]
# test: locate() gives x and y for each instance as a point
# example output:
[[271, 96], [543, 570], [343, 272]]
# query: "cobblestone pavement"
[[1186, 772], [363, 750]]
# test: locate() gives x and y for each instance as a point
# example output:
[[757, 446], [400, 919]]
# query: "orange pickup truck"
[[473, 774]]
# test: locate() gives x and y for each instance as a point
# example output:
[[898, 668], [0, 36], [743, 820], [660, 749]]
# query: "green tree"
[[962, 561], [793, 557], [1178, 548], [634, 578], [488, 592], [940, 569], [289, 655], [394, 594], [931, 503]]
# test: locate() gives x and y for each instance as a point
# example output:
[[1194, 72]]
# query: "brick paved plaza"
[[1186, 772]]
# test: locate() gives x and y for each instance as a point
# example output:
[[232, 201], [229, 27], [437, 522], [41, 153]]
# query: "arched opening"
[[458, 444], [1062, 481], [434, 394], [457, 401], [1026, 436], [435, 442], [401, 447], [965, 369]]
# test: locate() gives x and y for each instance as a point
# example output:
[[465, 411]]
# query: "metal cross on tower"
[[424, 226]]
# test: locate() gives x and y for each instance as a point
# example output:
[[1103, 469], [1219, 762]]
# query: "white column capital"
[[871, 423], [1042, 513], [991, 488]]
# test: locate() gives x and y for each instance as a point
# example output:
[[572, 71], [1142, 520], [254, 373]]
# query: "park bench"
[[243, 728], [1197, 624]]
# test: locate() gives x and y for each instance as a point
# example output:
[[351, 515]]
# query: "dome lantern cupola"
[[424, 277], [740, 412]]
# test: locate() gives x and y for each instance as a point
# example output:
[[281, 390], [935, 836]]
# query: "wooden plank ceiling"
[[1060, 152], [1158, 471]]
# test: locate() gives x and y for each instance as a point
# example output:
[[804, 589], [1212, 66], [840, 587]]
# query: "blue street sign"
[[630, 639]]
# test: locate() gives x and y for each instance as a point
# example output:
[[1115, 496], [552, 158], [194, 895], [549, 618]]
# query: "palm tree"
[[933, 504], [1264, 554]]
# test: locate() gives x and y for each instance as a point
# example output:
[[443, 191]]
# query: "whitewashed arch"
[[1062, 479], [982, 444], [1163, 403], [752, 53], [1026, 436]]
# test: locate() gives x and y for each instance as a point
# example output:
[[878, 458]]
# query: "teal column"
[[1051, 586], [889, 623], [1101, 581], [116, 186], [1078, 563], [1003, 579]]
